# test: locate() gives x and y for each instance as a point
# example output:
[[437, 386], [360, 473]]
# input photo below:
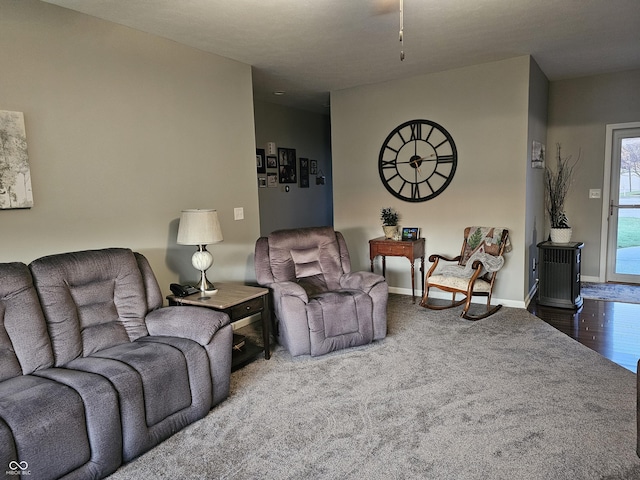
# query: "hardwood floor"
[[610, 328]]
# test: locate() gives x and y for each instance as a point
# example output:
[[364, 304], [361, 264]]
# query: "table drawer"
[[399, 249], [247, 308]]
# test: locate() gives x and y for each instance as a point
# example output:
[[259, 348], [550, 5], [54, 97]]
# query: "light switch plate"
[[238, 213], [594, 193]]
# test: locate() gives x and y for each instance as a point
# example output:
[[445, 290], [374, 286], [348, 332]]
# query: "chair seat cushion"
[[339, 319], [457, 283]]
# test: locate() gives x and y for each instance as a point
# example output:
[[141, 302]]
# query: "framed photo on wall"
[[304, 172], [15, 173], [287, 165], [272, 161], [272, 180], [260, 164]]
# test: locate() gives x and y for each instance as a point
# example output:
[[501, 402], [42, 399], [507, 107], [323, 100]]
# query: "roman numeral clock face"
[[417, 161]]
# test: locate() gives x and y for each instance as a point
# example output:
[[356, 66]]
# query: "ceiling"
[[308, 48]]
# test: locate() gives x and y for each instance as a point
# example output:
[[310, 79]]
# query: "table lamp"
[[201, 228]]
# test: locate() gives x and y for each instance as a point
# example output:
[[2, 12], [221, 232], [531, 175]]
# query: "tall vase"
[[390, 230]]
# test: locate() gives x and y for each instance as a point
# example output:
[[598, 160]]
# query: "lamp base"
[[205, 286], [202, 260]]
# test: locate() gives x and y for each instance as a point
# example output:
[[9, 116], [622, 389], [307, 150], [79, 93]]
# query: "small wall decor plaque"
[[537, 155], [15, 175]]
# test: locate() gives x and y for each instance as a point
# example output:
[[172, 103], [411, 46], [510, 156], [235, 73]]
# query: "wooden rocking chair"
[[475, 272]]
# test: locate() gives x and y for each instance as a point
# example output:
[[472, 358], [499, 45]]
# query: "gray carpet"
[[612, 292], [508, 397]]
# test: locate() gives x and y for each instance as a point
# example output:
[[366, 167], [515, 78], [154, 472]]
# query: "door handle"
[[612, 205]]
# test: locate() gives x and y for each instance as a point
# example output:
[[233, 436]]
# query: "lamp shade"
[[199, 227]]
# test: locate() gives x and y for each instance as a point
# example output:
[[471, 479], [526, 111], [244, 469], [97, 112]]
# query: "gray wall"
[[125, 130], [579, 110], [310, 135], [535, 213], [486, 110]]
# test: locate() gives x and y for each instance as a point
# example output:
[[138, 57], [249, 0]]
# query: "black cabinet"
[[559, 270]]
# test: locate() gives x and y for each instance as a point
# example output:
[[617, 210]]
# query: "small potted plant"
[[557, 184], [389, 219]]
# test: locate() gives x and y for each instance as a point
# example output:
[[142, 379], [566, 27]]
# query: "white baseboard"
[[588, 278], [447, 296], [531, 294]]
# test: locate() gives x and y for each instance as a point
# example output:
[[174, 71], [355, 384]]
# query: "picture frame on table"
[[410, 233]]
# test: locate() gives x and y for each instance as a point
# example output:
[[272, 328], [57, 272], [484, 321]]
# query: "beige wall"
[[579, 110], [125, 130], [485, 109]]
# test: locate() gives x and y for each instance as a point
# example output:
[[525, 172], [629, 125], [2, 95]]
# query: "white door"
[[623, 230]]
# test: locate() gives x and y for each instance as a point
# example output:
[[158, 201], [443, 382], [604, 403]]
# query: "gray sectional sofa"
[[93, 370]]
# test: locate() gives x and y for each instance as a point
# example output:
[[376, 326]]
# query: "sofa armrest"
[[195, 323], [364, 281]]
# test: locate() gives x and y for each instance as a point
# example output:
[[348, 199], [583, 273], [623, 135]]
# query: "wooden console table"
[[410, 249]]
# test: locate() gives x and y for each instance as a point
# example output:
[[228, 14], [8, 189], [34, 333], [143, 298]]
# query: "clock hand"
[[428, 157], [420, 159]]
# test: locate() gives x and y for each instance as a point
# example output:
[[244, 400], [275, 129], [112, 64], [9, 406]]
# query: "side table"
[[238, 301], [410, 249]]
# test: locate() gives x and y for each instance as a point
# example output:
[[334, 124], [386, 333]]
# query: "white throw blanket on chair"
[[490, 263]]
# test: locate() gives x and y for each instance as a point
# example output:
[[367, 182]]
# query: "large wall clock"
[[417, 160]]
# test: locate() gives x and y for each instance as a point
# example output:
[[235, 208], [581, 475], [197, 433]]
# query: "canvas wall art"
[[15, 175]]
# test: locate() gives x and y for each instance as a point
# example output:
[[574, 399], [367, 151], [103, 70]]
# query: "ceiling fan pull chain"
[[401, 30]]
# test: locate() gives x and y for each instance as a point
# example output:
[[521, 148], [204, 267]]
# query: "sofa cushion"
[[163, 373], [24, 341], [92, 300], [104, 430], [338, 320], [152, 289], [163, 384], [48, 423], [308, 252]]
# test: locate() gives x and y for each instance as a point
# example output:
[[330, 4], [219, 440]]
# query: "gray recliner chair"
[[319, 304]]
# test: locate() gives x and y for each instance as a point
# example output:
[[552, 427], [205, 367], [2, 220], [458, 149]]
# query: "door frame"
[[606, 192]]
